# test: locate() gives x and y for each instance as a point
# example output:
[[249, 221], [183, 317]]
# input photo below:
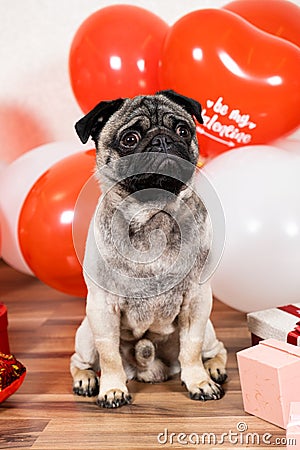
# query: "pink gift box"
[[270, 379], [293, 427]]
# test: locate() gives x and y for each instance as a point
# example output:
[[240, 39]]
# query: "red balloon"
[[46, 219], [278, 17], [246, 80], [84, 209], [115, 53]]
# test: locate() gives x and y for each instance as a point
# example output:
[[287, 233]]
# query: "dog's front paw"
[[206, 390], [85, 383], [114, 398]]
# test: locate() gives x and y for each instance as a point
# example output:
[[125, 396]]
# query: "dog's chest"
[[148, 263], [156, 315], [153, 245]]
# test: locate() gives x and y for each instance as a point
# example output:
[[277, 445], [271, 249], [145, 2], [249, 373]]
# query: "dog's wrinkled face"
[[159, 133]]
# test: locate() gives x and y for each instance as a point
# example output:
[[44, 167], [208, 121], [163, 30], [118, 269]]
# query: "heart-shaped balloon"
[[246, 79], [284, 21]]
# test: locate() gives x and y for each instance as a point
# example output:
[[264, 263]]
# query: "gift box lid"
[[3, 317], [274, 322], [273, 353]]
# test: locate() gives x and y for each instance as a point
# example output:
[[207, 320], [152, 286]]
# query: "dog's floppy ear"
[[189, 104], [93, 122]]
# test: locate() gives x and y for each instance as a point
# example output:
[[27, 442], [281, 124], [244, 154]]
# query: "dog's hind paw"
[[215, 367], [85, 383], [218, 375], [156, 372]]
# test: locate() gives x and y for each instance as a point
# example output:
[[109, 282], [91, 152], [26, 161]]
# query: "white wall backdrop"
[[36, 102]]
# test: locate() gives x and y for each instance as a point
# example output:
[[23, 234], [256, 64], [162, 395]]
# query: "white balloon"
[[259, 188], [2, 165], [292, 144], [16, 180]]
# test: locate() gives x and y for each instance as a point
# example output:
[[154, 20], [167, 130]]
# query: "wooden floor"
[[44, 414]]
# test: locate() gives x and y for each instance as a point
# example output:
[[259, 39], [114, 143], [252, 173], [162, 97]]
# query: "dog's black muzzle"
[[162, 143], [161, 167]]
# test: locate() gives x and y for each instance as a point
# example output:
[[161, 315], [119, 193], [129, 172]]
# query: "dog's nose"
[[162, 143]]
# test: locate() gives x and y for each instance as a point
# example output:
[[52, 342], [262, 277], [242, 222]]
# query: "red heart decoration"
[[12, 374], [246, 80], [284, 21]]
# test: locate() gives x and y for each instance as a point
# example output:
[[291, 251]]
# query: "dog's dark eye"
[[183, 131], [130, 139]]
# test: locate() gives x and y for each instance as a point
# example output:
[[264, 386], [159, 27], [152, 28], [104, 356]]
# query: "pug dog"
[[147, 313]]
